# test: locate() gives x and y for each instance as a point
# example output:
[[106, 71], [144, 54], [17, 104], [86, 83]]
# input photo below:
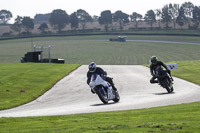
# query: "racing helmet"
[[154, 60], [92, 67]]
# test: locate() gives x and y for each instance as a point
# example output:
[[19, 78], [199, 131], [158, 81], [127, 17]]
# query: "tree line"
[[184, 14]]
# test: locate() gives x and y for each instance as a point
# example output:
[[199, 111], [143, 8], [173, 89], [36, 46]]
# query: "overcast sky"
[[93, 7]]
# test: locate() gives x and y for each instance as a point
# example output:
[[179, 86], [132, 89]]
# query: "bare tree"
[[188, 9], [174, 11], [159, 17]]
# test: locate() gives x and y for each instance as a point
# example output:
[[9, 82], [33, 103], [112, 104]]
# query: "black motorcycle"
[[164, 79]]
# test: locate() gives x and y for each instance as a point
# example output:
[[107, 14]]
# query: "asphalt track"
[[72, 95], [158, 41]]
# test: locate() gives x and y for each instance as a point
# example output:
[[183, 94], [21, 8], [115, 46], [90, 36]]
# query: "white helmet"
[[92, 67]]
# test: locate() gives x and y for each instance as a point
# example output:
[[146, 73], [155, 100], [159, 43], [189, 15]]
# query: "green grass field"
[[171, 119], [81, 50], [22, 83], [84, 49], [177, 118], [188, 70]]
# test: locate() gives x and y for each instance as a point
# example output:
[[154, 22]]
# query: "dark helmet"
[[154, 60], [92, 67]]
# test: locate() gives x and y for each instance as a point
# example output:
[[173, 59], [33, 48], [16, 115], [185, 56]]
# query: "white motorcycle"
[[103, 89]]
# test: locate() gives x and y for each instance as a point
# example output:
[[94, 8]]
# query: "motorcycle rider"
[[153, 66], [94, 69]]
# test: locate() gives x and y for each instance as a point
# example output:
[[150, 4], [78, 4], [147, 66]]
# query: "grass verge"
[[22, 83], [177, 118], [173, 119], [188, 70], [84, 49]]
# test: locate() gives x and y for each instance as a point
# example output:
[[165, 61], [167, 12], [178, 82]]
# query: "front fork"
[[103, 91]]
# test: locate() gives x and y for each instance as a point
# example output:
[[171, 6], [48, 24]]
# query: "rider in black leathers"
[[154, 64], [94, 69]]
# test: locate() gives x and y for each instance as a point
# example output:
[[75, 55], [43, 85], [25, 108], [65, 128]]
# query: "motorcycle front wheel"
[[102, 94], [167, 86]]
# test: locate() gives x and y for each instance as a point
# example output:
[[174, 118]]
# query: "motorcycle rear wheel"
[[117, 97]]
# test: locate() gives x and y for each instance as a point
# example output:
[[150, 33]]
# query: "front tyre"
[[117, 97], [172, 89], [102, 94], [167, 86]]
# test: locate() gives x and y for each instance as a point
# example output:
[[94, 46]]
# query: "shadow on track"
[[165, 93], [102, 104]]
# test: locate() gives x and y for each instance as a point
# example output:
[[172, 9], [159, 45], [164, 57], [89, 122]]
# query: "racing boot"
[[114, 88], [111, 83], [152, 80]]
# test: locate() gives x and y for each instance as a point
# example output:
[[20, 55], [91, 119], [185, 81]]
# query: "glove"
[[105, 73], [169, 72]]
